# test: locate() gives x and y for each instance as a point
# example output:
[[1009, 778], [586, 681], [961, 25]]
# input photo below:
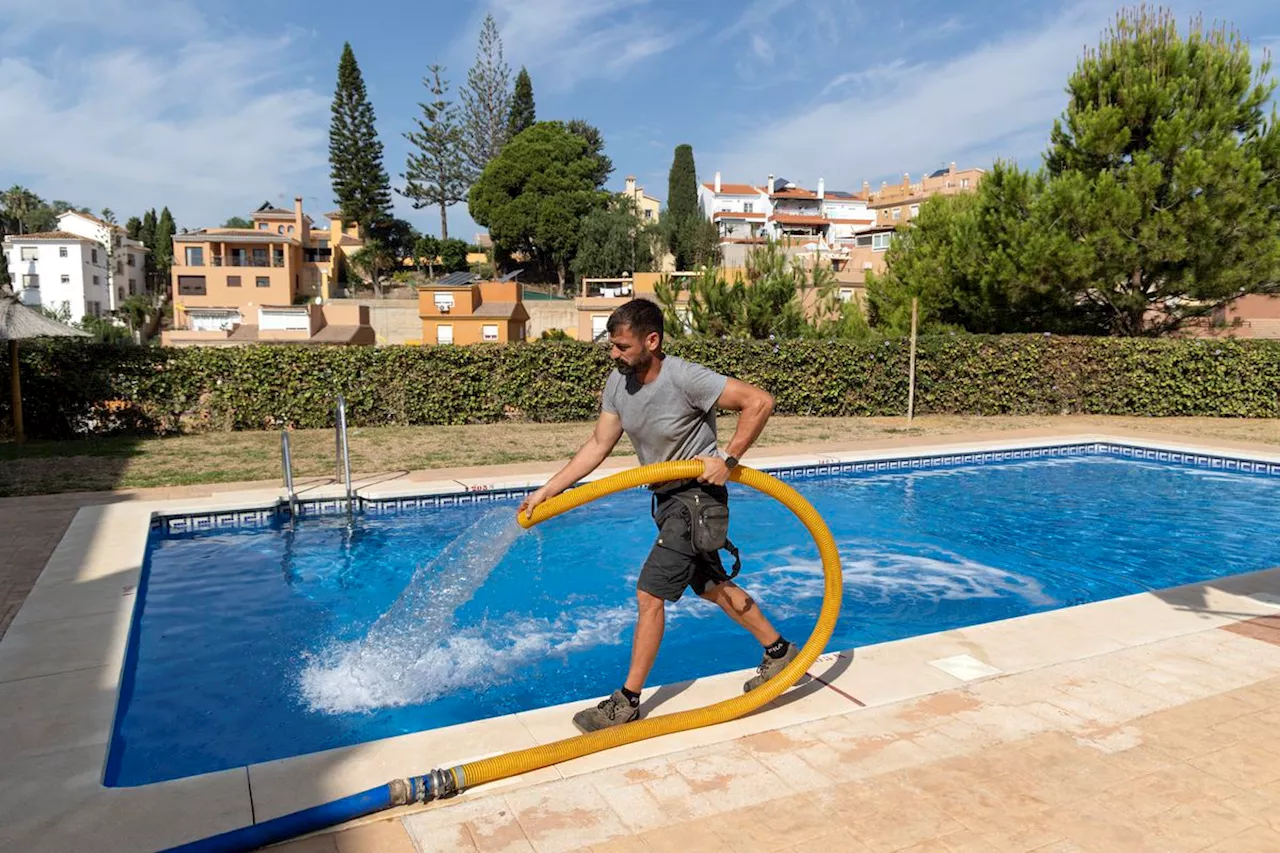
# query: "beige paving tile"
[[685, 837], [1243, 764], [498, 832], [564, 816], [384, 836], [62, 645], [443, 827], [77, 813], [1255, 840], [51, 713], [69, 600]]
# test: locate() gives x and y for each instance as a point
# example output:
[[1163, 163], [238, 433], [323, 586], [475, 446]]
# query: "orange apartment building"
[[893, 205], [465, 311], [263, 280]]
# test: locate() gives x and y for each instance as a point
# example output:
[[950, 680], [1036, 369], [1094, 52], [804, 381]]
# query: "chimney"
[[717, 183], [953, 167], [906, 180], [300, 221], [822, 189], [866, 188], [768, 186], [631, 185]]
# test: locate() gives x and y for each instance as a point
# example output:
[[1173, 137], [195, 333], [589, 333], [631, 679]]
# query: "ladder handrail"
[[286, 462], [344, 450]]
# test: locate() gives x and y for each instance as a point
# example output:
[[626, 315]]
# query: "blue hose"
[[418, 789], [292, 825]]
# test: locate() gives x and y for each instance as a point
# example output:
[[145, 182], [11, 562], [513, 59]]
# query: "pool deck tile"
[[1139, 723]]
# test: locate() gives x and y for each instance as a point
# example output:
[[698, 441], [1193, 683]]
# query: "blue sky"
[[213, 108]]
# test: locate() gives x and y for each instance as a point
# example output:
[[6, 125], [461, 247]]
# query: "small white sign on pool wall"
[[965, 667]]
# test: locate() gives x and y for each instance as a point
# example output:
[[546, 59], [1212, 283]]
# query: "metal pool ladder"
[[286, 461], [344, 451]]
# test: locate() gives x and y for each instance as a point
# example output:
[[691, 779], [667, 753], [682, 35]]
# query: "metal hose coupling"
[[436, 785]]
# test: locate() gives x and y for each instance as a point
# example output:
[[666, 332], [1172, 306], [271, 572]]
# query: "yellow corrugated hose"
[[525, 760]]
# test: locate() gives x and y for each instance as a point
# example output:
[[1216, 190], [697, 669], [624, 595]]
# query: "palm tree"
[[19, 204], [108, 215]]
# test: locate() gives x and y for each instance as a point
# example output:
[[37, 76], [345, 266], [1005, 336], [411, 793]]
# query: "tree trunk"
[[444, 222], [562, 273]]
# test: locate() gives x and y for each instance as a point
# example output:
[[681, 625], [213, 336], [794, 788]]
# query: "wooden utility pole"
[[911, 392]]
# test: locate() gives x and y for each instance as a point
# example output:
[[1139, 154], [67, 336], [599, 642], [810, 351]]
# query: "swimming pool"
[[266, 641]]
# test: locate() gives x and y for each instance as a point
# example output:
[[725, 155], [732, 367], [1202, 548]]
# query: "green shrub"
[[72, 388]]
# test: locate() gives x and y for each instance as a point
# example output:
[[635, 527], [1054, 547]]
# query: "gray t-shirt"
[[671, 418]]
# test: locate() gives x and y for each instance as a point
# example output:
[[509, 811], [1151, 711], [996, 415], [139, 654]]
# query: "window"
[[97, 281], [66, 279], [846, 294], [444, 301], [264, 226], [93, 309], [191, 285], [880, 242], [133, 287], [120, 293], [195, 256], [119, 266], [964, 183], [897, 213], [290, 229], [748, 207], [648, 214], [915, 210], [30, 253], [259, 257], [862, 242], [262, 281], [279, 229], [444, 334], [62, 251], [133, 260], [116, 243], [599, 326], [233, 281], [93, 255], [489, 331], [277, 258], [30, 281]]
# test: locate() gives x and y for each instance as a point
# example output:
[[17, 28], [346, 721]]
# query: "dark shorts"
[[673, 565]]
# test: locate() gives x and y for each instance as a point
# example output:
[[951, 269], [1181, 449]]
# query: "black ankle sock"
[[633, 698], [778, 649]]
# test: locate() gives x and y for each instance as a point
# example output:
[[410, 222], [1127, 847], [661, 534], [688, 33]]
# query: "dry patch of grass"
[[115, 463]]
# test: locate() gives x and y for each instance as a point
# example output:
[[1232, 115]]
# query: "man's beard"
[[623, 368]]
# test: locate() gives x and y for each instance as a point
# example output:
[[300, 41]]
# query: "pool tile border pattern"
[[61, 664], [180, 523]]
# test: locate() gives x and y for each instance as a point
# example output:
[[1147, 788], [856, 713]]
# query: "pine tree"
[[1162, 171], [523, 112], [682, 207], [133, 228], [360, 183], [595, 150], [486, 100], [436, 173]]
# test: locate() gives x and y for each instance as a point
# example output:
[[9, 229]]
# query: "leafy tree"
[[523, 112], [436, 173], [133, 228], [595, 150], [237, 222], [360, 183], [426, 249], [374, 260], [20, 204], [682, 216], [108, 215], [535, 194], [453, 255], [1164, 176], [614, 241], [486, 100]]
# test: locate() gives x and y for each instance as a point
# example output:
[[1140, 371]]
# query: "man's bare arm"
[[754, 406], [596, 449]]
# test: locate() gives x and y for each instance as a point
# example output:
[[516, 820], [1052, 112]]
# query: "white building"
[[745, 213], [87, 266]]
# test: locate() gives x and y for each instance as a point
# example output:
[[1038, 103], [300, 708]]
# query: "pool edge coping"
[[108, 542]]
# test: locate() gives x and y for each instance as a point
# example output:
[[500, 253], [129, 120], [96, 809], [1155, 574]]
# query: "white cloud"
[[563, 42], [993, 101], [207, 128]]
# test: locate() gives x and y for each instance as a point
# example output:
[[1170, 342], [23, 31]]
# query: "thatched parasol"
[[20, 323]]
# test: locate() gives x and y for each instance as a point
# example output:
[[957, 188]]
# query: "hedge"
[[75, 389]]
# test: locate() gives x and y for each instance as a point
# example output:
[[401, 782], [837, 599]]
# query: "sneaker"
[[769, 667], [614, 711]]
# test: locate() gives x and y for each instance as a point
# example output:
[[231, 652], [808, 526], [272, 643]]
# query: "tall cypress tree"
[[163, 249], [360, 183], [147, 234], [523, 112], [436, 173], [682, 207], [486, 100]]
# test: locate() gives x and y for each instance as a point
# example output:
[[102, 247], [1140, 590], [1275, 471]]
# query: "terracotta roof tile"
[[730, 214], [799, 219], [734, 189], [46, 235]]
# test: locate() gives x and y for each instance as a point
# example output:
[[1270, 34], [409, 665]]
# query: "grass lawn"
[[96, 464]]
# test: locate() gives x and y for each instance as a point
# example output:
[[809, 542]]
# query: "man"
[[667, 407]]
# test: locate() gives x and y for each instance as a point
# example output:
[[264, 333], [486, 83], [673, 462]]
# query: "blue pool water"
[[263, 643]]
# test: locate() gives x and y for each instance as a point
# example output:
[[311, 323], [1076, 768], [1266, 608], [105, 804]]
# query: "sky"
[[212, 109]]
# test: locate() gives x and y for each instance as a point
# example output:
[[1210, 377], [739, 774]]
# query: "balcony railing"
[[233, 261]]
